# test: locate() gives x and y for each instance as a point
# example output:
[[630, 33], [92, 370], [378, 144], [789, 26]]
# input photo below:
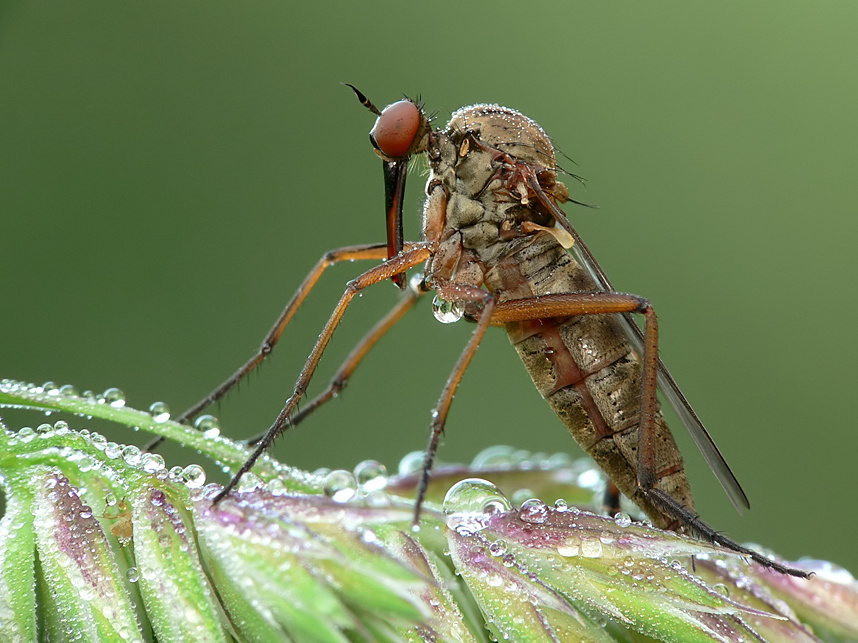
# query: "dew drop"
[[45, 430], [277, 487], [520, 496], [568, 548], [497, 456], [533, 510], [131, 454], [411, 463], [497, 548], [371, 475], [591, 547], [249, 482], [194, 476], [722, 589], [50, 388], [132, 575], [622, 519], [112, 450], [561, 505], [114, 397], [69, 390], [474, 495], [209, 425], [152, 462], [340, 485], [447, 312], [159, 411]]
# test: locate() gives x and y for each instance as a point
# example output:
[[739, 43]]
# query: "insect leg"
[[415, 255], [340, 379], [646, 459], [459, 293], [348, 253]]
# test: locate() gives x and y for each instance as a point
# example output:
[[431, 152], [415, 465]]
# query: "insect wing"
[[666, 383]]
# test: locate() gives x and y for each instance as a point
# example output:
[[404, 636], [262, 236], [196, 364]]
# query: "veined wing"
[[666, 383]]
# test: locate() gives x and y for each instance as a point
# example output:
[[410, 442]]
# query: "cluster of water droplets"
[[72, 549], [367, 482], [192, 476]]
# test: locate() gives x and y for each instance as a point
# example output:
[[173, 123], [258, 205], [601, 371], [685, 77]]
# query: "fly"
[[498, 250]]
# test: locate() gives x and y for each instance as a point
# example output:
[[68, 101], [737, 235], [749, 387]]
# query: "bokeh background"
[[171, 170]]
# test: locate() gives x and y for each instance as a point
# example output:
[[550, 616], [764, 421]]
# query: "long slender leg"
[[340, 379], [348, 253], [453, 292], [593, 303], [646, 459], [416, 254]]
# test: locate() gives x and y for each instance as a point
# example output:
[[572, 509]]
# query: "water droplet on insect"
[[447, 312], [474, 495], [159, 411], [209, 425], [340, 485], [371, 475], [114, 397], [533, 510]]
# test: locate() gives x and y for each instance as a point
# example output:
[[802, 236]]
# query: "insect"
[[496, 249]]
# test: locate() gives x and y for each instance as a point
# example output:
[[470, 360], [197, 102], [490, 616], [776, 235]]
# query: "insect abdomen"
[[587, 371]]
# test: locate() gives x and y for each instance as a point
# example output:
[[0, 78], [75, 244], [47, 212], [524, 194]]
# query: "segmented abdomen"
[[586, 370]]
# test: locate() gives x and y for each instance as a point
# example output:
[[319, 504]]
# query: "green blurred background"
[[171, 170]]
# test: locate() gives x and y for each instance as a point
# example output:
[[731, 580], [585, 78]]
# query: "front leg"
[[417, 254]]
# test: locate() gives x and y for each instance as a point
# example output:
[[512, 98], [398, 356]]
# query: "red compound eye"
[[396, 128]]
